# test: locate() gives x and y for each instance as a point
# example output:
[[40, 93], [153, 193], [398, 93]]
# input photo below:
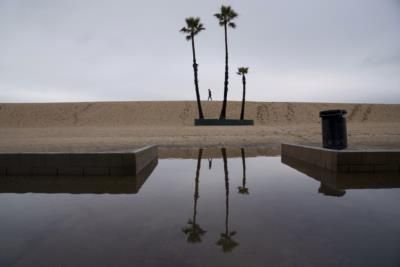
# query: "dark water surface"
[[182, 215]]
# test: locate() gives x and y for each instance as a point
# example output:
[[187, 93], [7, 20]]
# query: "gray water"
[[279, 217]]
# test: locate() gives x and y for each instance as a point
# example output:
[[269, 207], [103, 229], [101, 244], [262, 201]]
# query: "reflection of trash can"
[[334, 133]]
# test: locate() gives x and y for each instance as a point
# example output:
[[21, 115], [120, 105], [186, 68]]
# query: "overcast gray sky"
[[93, 50]]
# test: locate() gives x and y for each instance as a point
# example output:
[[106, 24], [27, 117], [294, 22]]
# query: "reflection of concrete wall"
[[215, 152], [337, 180], [77, 184], [346, 161], [77, 164]]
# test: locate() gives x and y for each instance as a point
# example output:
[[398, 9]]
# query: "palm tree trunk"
[[223, 110], [196, 82], [244, 97], [223, 150], [196, 188]]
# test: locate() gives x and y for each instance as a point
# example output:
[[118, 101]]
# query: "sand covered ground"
[[102, 126]]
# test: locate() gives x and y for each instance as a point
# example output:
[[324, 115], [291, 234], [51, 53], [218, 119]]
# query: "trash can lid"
[[333, 112]]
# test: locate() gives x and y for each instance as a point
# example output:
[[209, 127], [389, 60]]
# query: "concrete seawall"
[[77, 184], [346, 161], [77, 164]]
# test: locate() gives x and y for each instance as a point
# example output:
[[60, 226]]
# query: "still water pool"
[[237, 211]]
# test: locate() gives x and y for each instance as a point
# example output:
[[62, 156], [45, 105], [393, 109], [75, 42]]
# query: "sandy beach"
[[103, 126]]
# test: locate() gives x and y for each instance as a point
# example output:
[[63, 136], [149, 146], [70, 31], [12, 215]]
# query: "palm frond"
[[184, 29], [226, 15], [218, 16], [193, 27], [198, 29], [225, 9], [233, 14], [242, 70], [189, 21], [232, 25]]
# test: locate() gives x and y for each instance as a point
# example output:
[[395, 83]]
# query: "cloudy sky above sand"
[[93, 50]]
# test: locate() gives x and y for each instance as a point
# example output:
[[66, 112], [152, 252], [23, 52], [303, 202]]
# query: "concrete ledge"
[[77, 184], [227, 122], [346, 161], [77, 164]]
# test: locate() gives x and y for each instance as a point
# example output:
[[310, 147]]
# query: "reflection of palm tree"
[[193, 230], [226, 241], [243, 189]]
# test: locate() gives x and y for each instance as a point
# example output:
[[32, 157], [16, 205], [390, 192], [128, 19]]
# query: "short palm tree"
[[225, 17], [193, 27], [242, 71], [193, 231]]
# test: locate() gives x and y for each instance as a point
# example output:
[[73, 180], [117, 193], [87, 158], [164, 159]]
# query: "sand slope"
[[125, 125], [107, 114]]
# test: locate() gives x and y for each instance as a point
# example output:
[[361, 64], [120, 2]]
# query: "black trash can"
[[334, 131]]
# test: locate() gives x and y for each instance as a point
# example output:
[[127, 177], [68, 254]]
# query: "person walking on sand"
[[209, 95]]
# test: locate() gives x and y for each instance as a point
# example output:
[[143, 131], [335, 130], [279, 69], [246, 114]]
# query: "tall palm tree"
[[226, 239], [225, 17], [193, 27], [194, 231], [242, 71], [243, 189]]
